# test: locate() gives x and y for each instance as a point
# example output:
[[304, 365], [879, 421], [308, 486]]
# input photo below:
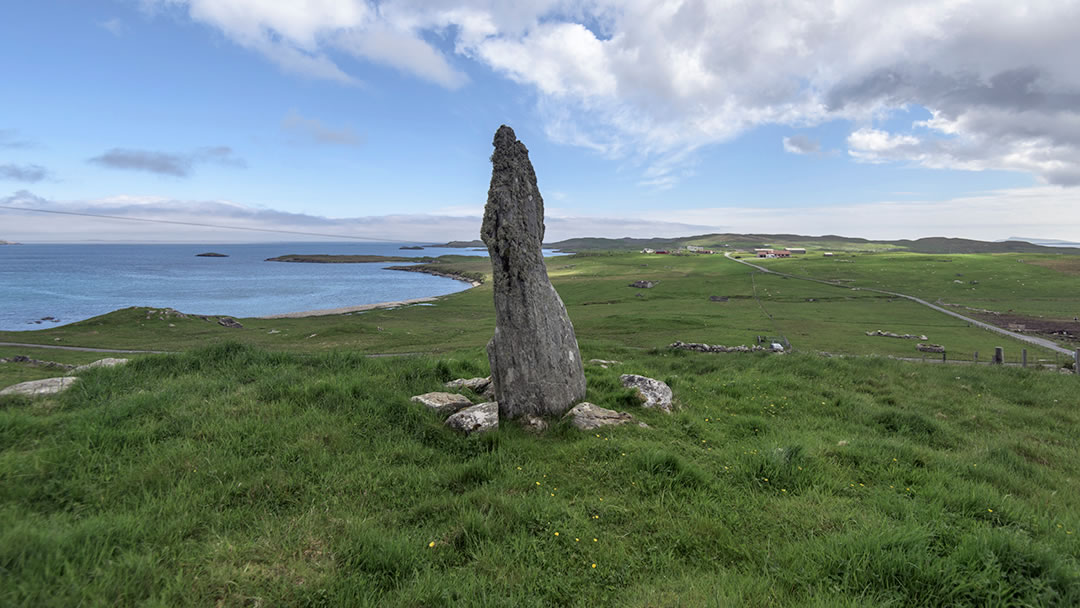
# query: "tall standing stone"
[[535, 364]]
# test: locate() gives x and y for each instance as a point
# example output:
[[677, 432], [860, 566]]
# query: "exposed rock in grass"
[[477, 385], [719, 348], [653, 393], [444, 403], [106, 362], [476, 419], [889, 334], [34, 388], [535, 362], [644, 284], [930, 348], [587, 416], [230, 323], [604, 363], [36, 362], [534, 424]]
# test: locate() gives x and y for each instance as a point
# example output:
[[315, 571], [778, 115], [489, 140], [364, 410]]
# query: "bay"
[[73, 282]]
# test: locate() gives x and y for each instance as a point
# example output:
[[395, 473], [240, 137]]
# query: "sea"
[[46, 285]]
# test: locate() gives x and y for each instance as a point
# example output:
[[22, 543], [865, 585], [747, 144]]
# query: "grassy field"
[[281, 464], [1027, 284], [606, 312], [231, 476]]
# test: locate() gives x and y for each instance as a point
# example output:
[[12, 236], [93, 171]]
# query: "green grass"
[[1026, 284], [606, 312], [234, 476]]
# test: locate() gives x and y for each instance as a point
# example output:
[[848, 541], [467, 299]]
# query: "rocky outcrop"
[[37, 388], [644, 284], [476, 385], [229, 322], [586, 416], [36, 362], [443, 403], [930, 348], [653, 393], [476, 419], [889, 334], [106, 362], [719, 348], [535, 363]]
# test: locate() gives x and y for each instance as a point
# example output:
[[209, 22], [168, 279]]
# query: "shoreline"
[[344, 310]]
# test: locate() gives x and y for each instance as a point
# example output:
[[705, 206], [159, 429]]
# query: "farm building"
[[827, 254], [797, 250], [773, 253]]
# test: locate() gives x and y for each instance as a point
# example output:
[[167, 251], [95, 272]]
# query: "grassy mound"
[[234, 476]]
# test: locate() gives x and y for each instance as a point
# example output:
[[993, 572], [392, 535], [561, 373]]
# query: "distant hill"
[[829, 241], [1046, 242]]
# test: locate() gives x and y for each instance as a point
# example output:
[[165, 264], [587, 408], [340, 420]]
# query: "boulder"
[[653, 393], [930, 348], [477, 385], [444, 403], [587, 416], [476, 419], [534, 424], [644, 284], [230, 323], [535, 363], [35, 388], [106, 362]]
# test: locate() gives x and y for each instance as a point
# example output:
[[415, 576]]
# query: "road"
[[1029, 339]]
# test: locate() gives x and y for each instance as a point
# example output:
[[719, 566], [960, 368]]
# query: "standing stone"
[[535, 364]]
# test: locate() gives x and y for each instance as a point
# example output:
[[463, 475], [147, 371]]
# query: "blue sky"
[[655, 118]]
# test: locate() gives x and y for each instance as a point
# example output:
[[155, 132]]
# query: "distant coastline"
[[9, 243]]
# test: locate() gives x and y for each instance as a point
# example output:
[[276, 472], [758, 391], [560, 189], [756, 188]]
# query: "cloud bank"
[[23, 173], [654, 80], [1045, 212]]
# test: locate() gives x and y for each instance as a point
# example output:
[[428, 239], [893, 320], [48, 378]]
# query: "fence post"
[[976, 360], [1023, 358], [943, 356], [999, 355]]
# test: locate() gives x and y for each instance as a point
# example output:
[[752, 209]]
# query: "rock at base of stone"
[[534, 424], [476, 385], [479, 418], [586, 416], [653, 393], [106, 362], [35, 388], [443, 403]]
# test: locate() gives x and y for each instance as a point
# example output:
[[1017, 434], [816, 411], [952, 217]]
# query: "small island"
[[411, 247], [211, 254], [8, 242]]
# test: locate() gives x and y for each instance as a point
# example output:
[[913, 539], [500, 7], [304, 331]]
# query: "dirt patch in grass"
[[1067, 330], [1066, 265]]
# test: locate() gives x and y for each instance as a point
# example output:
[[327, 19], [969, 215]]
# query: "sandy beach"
[[347, 309]]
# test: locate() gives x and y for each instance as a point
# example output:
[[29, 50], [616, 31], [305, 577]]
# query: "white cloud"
[[653, 79], [801, 144], [314, 130]]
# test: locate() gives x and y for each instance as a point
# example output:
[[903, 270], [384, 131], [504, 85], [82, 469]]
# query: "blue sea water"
[[72, 282]]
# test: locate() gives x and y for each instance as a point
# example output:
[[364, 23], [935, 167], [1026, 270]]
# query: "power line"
[[201, 225]]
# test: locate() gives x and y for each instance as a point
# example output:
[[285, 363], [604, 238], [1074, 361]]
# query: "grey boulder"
[[477, 385], [35, 388], [444, 403], [653, 393], [107, 362], [587, 416], [476, 419]]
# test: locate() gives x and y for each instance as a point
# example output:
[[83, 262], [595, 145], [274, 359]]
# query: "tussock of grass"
[[233, 476]]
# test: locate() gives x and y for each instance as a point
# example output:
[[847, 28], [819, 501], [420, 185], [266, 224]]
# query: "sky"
[[374, 120]]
